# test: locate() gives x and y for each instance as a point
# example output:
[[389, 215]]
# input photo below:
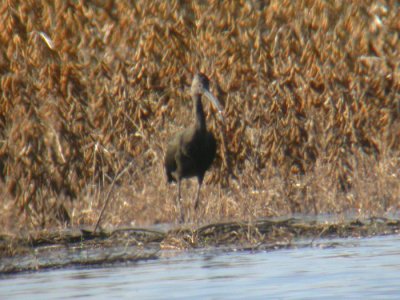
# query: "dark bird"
[[192, 151]]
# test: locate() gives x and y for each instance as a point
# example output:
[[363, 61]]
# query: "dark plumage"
[[193, 150]]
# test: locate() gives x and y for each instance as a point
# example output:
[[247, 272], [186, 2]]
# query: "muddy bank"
[[82, 247]]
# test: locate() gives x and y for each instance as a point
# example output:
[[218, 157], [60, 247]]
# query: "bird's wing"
[[187, 143]]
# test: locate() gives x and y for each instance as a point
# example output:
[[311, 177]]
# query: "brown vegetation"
[[91, 88], [60, 248]]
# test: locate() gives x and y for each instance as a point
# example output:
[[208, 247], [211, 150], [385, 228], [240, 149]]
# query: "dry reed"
[[310, 92]]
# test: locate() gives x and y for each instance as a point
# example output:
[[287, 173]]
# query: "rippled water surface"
[[366, 268]]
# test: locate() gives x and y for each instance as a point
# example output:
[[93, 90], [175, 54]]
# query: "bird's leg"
[[196, 203], [178, 202]]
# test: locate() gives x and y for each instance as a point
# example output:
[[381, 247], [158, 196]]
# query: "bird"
[[191, 152]]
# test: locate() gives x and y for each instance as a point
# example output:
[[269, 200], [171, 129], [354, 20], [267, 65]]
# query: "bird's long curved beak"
[[216, 104]]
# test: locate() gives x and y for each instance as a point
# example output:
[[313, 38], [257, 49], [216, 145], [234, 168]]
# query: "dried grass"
[[310, 90]]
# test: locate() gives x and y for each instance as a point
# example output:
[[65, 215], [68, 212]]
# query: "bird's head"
[[201, 86]]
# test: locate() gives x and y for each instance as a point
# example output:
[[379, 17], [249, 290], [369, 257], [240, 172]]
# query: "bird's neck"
[[199, 112]]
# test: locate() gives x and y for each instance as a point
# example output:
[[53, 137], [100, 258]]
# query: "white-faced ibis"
[[192, 151]]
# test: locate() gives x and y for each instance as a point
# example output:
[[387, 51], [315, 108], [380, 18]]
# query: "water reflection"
[[348, 268]]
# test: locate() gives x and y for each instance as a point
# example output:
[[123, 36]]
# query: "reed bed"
[[94, 89]]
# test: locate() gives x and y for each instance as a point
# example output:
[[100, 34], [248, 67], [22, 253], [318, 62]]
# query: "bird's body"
[[192, 151], [190, 154]]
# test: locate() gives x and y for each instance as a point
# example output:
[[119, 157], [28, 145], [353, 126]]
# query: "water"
[[366, 268]]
